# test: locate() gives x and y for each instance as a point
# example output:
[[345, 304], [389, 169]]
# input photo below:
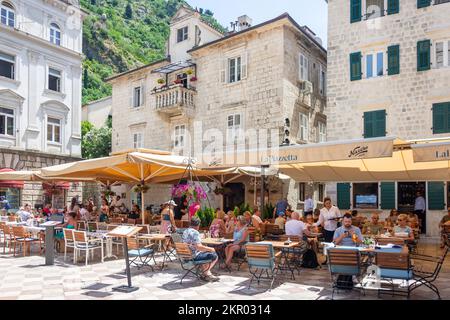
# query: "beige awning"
[[37, 176]]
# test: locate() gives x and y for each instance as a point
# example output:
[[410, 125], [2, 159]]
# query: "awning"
[[56, 185], [10, 183], [173, 67]]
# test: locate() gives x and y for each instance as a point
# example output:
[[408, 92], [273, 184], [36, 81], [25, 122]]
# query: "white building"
[[97, 112], [40, 86]]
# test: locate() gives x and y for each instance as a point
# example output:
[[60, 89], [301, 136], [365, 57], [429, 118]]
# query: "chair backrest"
[[392, 260], [133, 243], [81, 225], [392, 240], [110, 227], [284, 237], [18, 232], [92, 226], [252, 234], [116, 220], [260, 255], [145, 228], [272, 228], [102, 226], [178, 224], [154, 229], [176, 237], [131, 221], [68, 234], [344, 261], [183, 250], [229, 235], [80, 236]]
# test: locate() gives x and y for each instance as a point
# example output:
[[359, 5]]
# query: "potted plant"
[[141, 188], [193, 79], [206, 216], [177, 81], [161, 81], [189, 71]]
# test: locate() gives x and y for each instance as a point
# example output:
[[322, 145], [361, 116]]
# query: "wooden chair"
[[82, 243], [8, 239], [154, 229], [131, 221], [390, 240], [344, 264], [260, 259], [22, 238], [115, 240], [92, 226], [116, 220], [140, 256], [273, 229], [81, 225], [394, 266], [69, 242], [145, 228], [187, 261]]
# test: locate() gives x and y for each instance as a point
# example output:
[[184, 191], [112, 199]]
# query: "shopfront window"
[[365, 195], [9, 198]]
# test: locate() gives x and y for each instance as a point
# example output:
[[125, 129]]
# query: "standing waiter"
[[309, 205], [328, 218], [419, 209]]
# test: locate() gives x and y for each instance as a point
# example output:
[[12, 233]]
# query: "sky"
[[312, 13]]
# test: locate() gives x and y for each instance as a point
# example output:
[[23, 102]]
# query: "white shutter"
[[142, 95], [223, 71], [132, 97], [244, 66]]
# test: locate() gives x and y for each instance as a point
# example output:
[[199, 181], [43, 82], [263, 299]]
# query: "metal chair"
[[344, 262], [82, 243], [92, 226], [81, 225], [260, 259], [22, 238], [140, 256], [115, 240], [187, 261], [69, 242]]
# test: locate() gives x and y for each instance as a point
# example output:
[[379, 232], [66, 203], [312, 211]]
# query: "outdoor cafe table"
[[165, 246], [286, 248], [219, 245]]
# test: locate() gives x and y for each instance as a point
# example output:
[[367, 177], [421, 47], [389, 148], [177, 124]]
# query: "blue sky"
[[312, 13]]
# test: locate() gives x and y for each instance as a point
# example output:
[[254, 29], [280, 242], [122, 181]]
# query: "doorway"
[[235, 197], [407, 195]]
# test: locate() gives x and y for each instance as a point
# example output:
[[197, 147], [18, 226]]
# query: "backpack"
[[310, 259]]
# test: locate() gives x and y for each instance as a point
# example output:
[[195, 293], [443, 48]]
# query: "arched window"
[[55, 34], [8, 14]]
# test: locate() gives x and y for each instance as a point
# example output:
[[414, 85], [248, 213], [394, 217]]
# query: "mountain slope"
[[119, 35]]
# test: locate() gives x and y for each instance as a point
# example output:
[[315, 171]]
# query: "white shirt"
[[419, 204], [325, 215], [257, 218], [294, 228], [309, 205], [84, 214], [24, 215]]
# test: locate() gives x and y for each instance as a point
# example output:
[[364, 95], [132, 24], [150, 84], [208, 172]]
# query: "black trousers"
[[328, 235], [423, 217]]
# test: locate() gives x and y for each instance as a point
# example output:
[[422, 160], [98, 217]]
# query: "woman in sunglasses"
[[402, 227]]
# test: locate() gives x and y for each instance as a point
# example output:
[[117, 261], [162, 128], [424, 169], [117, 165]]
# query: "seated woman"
[[248, 218], [103, 217], [70, 224], [217, 228], [312, 228], [413, 220], [391, 221], [135, 212], [231, 222], [402, 227], [240, 237]]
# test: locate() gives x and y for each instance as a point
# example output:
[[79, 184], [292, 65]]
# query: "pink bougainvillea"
[[192, 192]]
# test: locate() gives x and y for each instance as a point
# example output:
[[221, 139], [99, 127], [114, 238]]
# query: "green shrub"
[[206, 216]]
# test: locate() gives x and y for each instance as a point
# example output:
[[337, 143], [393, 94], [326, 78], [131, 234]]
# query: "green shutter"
[[423, 3], [393, 60], [423, 55], [436, 196], [393, 6], [387, 195], [375, 124], [343, 196], [355, 10], [441, 114], [355, 66]]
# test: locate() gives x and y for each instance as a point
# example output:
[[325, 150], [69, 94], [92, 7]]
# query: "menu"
[[124, 231]]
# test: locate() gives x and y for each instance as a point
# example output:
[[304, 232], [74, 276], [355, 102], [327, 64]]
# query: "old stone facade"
[[266, 77], [392, 62]]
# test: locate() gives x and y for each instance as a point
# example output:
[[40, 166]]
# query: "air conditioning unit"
[[306, 87]]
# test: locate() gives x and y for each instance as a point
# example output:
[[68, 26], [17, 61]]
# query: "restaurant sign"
[[431, 152]]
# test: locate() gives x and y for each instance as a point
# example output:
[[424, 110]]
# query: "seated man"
[[445, 223], [374, 227], [295, 227], [191, 236], [280, 221], [347, 234]]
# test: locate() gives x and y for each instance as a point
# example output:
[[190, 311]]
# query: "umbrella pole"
[[143, 207]]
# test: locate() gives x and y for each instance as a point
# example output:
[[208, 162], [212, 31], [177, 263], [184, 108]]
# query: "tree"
[[128, 11], [209, 12], [95, 143], [85, 78]]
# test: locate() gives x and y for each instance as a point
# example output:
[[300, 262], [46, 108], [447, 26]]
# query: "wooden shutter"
[[423, 3], [393, 60], [223, 71], [244, 66], [387, 195], [441, 118], [343, 196], [436, 196], [355, 10], [368, 124], [393, 6], [375, 124], [423, 55], [355, 66]]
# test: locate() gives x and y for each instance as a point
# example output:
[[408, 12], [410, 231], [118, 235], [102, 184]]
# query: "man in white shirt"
[[419, 209], [85, 215], [309, 205], [295, 227], [328, 218], [25, 213], [256, 218]]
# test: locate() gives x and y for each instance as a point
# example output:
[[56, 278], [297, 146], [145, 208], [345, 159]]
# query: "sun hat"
[[171, 203]]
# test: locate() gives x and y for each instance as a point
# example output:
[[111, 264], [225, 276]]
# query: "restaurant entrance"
[[407, 195]]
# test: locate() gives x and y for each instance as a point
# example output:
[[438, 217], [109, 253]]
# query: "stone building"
[[388, 75], [97, 112], [270, 76], [40, 91]]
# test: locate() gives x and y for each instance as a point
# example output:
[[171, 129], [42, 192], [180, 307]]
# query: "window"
[[303, 129], [355, 10], [53, 130], [322, 132], [365, 195], [321, 192], [374, 9], [182, 34], [234, 126], [304, 68], [423, 55], [54, 80], [179, 136], [441, 1], [441, 114], [301, 191], [7, 64], [6, 122], [374, 65], [322, 80], [8, 15], [355, 66], [442, 54], [55, 34], [234, 69], [423, 3], [375, 124], [137, 97], [137, 140]]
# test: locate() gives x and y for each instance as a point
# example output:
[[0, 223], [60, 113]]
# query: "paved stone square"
[[28, 278]]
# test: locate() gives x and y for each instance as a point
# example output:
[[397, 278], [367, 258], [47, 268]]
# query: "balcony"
[[175, 100]]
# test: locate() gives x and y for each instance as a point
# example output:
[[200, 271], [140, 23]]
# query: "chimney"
[[244, 22]]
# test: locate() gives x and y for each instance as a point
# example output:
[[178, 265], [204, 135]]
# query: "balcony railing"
[[175, 99]]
